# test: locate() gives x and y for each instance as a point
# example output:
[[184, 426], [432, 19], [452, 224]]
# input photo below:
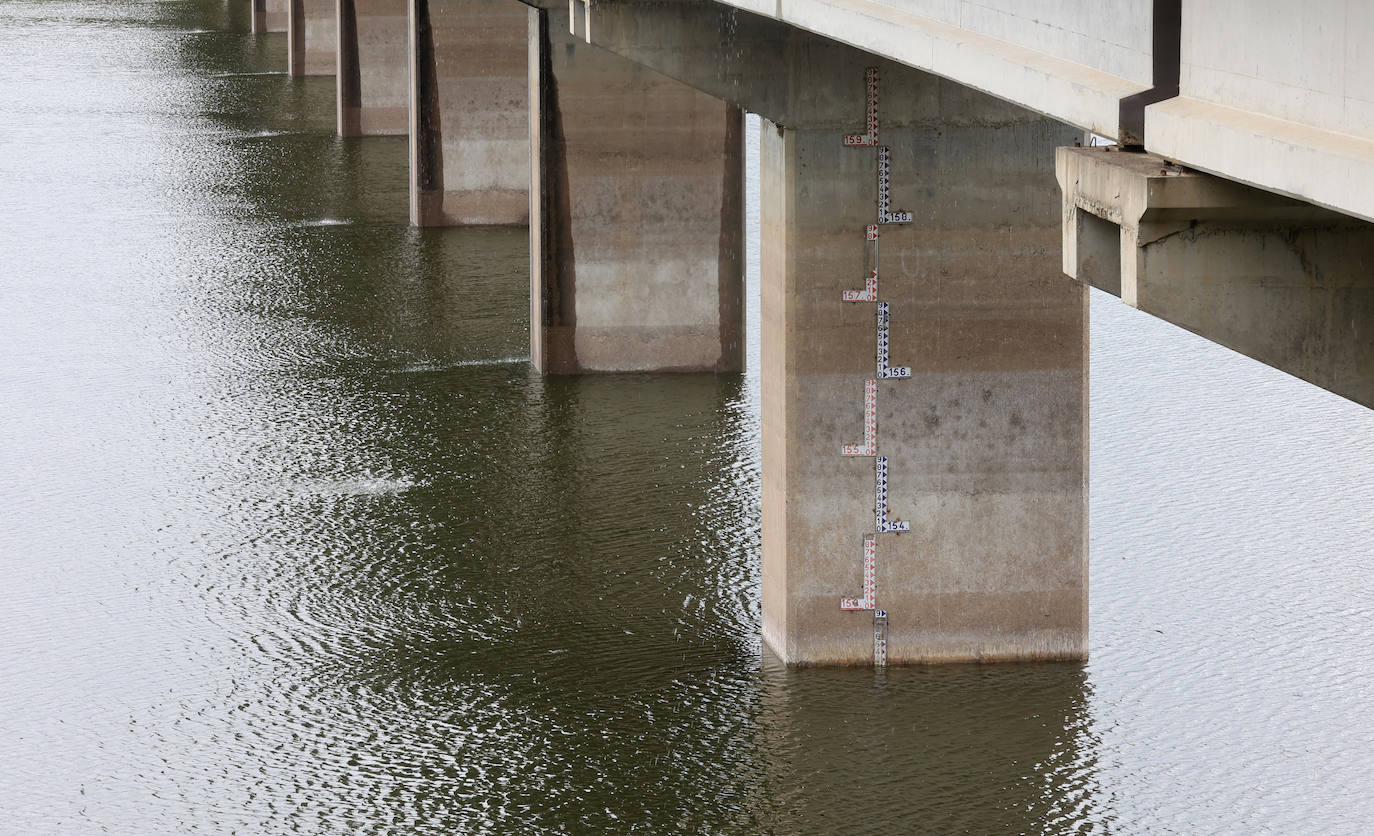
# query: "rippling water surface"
[[292, 540]]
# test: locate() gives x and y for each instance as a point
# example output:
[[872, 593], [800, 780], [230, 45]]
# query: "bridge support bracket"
[[1276, 279]]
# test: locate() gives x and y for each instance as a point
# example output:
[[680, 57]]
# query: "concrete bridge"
[[924, 276]]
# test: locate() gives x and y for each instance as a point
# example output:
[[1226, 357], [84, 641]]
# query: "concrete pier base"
[[270, 16], [312, 37], [373, 67], [1276, 279], [636, 214], [985, 443], [469, 133]]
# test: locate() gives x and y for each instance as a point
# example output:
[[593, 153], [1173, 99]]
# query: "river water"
[[292, 539]]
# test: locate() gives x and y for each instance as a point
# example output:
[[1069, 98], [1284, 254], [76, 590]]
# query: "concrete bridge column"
[[636, 214], [469, 133], [984, 443], [373, 67], [270, 16], [312, 37]]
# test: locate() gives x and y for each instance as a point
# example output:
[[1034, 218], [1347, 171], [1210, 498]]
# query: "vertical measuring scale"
[[879, 638], [883, 371]]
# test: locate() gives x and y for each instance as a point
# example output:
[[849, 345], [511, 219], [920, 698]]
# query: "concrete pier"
[[1276, 279], [373, 67], [312, 37], [636, 214], [985, 442], [270, 16], [469, 134]]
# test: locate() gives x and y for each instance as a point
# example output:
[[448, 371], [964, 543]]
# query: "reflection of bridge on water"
[[1235, 204]]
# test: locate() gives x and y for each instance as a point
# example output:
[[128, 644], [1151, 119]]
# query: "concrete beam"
[[312, 37], [373, 67], [1276, 279], [470, 146], [636, 214], [1328, 168], [736, 55], [1278, 95], [1265, 92]]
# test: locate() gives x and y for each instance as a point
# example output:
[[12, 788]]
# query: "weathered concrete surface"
[[986, 443], [1072, 61], [312, 37], [374, 67], [1284, 282], [636, 214], [270, 16], [1277, 95], [470, 141]]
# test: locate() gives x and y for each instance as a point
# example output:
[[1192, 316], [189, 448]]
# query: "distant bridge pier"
[[312, 37], [373, 68], [1276, 279], [636, 214], [270, 16], [469, 133]]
